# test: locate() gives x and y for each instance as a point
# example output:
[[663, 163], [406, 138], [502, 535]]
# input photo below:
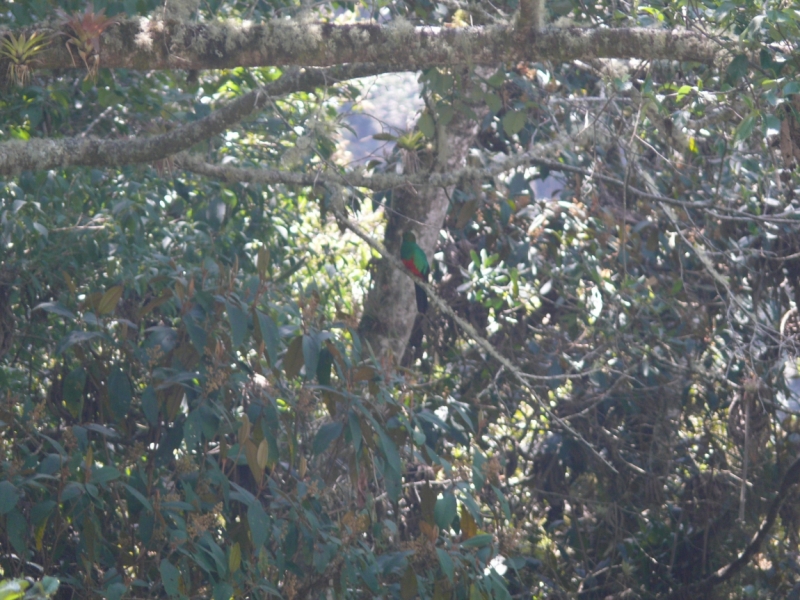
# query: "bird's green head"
[[409, 238]]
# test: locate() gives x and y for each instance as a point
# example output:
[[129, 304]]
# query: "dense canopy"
[[214, 378]]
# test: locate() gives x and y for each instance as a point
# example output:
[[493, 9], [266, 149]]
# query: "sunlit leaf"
[[109, 300]]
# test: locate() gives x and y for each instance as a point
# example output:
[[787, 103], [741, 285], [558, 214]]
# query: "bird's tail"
[[422, 299]]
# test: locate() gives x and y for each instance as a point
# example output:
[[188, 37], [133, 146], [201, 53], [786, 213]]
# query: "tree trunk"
[[390, 308]]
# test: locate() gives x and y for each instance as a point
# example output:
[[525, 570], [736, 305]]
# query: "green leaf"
[[390, 451], [427, 126], [683, 91], [72, 392], [368, 575], [150, 405], [311, 347], [293, 360], [270, 336], [497, 79], [446, 563], [120, 393], [8, 496], [196, 333], [445, 510], [259, 523], [108, 97], [50, 585], [235, 558], [494, 103], [324, 366], [445, 114], [42, 511], [115, 591], [408, 584], [17, 531], [109, 300], [56, 308], [355, 429], [326, 434], [478, 474], [138, 495], [238, 320], [77, 337], [793, 87], [478, 541], [103, 475], [223, 591], [738, 68], [745, 128], [772, 125], [170, 577], [263, 260], [513, 122]]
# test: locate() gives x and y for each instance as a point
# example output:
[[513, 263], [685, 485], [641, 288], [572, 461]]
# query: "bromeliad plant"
[[20, 51], [87, 29]]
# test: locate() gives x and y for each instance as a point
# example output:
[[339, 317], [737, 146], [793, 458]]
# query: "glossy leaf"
[[170, 578], [327, 434], [259, 523], [9, 496], [293, 360], [445, 510], [120, 393], [238, 321], [270, 336]]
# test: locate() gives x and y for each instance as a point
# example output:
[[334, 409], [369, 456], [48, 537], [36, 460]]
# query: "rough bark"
[[390, 308], [175, 44], [44, 154]]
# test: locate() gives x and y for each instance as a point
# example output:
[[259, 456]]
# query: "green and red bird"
[[415, 260]]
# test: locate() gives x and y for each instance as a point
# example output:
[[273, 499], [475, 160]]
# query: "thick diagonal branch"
[[44, 154]]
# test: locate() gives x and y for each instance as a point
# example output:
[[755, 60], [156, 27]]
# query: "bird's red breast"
[[409, 263]]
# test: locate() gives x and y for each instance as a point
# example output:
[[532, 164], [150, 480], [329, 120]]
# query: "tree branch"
[[531, 16], [144, 44], [700, 589], [385, 181], [43, 154]]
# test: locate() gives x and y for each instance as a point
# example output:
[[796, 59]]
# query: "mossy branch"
[[144, 44], [43, 154], [531, 16]]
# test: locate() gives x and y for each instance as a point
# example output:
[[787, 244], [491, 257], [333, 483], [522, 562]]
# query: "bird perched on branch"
[[414, 259]]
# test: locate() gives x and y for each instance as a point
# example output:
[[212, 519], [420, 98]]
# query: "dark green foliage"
[[186, 409]]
